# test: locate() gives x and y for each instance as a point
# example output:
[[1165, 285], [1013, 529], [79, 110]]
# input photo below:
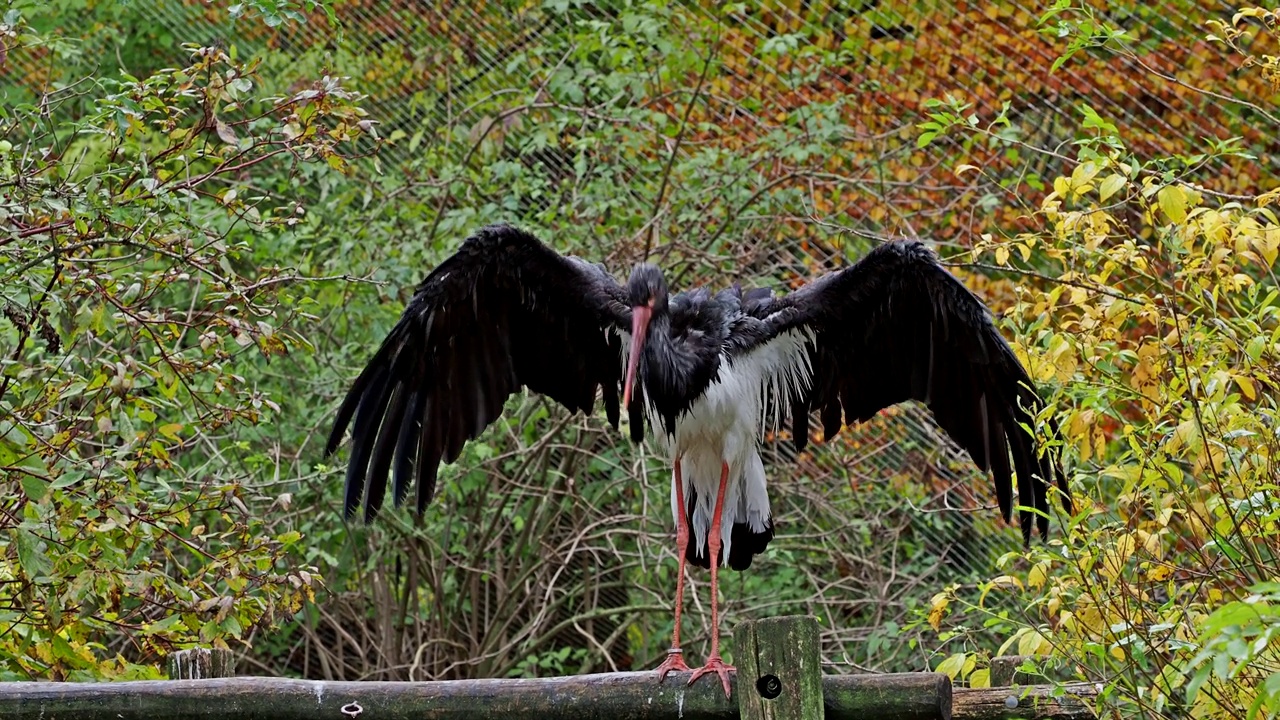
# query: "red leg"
[[675, 658], [715, 664]]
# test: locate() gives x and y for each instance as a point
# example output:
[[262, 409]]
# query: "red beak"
[[640, 315]]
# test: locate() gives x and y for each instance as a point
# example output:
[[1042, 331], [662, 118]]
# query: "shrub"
[[139, 296], [1157, 323]]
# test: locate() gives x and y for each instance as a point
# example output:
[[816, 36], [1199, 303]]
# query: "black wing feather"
[[503, 312], [897, 326], [407, 449]]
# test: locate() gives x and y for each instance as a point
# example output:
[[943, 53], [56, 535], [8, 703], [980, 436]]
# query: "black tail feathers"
[[745, 545]]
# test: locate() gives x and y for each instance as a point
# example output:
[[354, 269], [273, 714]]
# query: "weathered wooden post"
[[201, 664], [779, 669], [1004, 671], [780, 678]]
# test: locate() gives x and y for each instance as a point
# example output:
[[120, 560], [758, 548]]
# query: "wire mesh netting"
[[766, 144]]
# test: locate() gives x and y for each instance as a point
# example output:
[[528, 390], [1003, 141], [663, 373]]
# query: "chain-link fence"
[[446, 78], [786, 134]]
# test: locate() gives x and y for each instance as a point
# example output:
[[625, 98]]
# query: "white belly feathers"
[[727, 424]]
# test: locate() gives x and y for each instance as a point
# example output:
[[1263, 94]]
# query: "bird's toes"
[[718, 666], [673, 663]]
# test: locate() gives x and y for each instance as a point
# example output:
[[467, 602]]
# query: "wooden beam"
[[612, 696], [1030, 702], [893, 696], [620, 696], [779, 668]]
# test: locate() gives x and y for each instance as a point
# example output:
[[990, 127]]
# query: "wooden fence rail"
[[779, 678]]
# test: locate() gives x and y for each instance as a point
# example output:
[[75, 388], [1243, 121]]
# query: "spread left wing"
[[898, 326]]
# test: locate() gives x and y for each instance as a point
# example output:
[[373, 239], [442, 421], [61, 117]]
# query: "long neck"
[[675, 370]]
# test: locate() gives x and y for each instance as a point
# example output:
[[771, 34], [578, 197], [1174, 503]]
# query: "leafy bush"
[[140, 301], [1159, 326]]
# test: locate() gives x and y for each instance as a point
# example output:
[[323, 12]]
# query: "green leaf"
[[68, 478], [126, 429], [1255, 347], [1230, 615], [1092, 120], [231, 626], [63, 650], [31, 554], [1193, 687], [164, 624], [34, 487]]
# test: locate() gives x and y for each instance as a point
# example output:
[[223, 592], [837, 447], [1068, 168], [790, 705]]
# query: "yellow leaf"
[[1037, 576], [940, 602], [1033, 643], [1252, 12], [1268, 244], [1117, 311], [1246, 387], [171, 430], [1062, 356], [1067, 622], [1004, 648], [1002, 255], [1173, 201], [1183, 435], [980, 678], [961, 170], [1114, 558], [1007, 581], [1080, 424], [1159, 572], [1110, 186], [1150, 543], [1084, 173], [952, 665]]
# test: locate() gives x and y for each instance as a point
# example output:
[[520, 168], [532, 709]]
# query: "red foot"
[[717, 666], [673, 663]]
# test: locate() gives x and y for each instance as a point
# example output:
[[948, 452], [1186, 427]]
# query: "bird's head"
[[647, 288], [647, 292]]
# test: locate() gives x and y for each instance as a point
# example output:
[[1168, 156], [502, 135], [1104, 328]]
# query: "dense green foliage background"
[[196, 262]]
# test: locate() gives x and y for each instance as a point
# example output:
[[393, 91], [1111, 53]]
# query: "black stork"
[[708, 373]]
